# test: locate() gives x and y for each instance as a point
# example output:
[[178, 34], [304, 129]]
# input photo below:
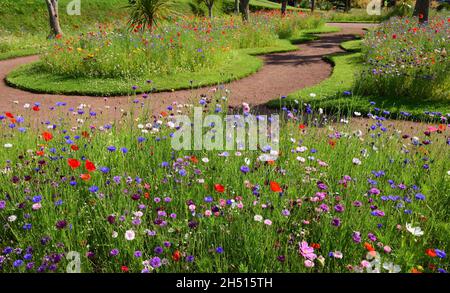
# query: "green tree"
[[147, 13]]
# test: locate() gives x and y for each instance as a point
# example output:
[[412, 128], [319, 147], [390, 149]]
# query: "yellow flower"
[[79, 50]]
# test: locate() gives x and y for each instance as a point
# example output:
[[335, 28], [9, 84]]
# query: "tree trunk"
[[347, 5], [236, 7], [245, 8], [210, 11], [421, 10], [55, 28], [283, 7], [313, 4]]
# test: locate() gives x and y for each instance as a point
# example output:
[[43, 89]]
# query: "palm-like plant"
[[147, 13]]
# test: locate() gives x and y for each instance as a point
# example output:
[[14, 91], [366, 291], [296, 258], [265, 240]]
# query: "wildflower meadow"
[[114, 158]]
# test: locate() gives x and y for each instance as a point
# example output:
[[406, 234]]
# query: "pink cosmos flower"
[[307, 251]]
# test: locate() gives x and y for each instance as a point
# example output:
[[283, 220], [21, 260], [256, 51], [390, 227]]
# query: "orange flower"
[[275, 187], [442, 127], [85, 177], [194, 159], [47, 136], [85, 134], [40, 153], [332, 143], [415, 271], [368, 246]]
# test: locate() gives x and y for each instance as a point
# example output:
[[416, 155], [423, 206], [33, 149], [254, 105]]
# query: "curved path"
[[281, 74]]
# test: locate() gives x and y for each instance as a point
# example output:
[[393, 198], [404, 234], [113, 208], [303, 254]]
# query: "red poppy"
[[74, 147], [74, 163], [194, 159], [431, 252], [219, 187], [36, 108], [332, 143], [275, 187], [47, 136], [415, 271], [85, 177], [315, 245], [176, 255], [302, 126], [164, 114], [146, 195], [90, 166], [124, 269], [9, 115], [58, 36], [85, 134], [40, 153], [368, 246], [420, 15], [394, 36]]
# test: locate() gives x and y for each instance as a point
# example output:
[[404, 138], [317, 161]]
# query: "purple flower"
[[356, 237], [374, 191], [111, 148], [2, 204], [159, 250], [190, 258], [339, 208], [245, 169], [322, 186], [155, 262], [420, 196], [61, 224], [219, 249], [336, 222], [440, 253], [93, 189], [114, 252], [137, 253], [372, 237], [377, 213]]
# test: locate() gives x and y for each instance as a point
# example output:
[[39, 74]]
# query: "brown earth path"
[[281, 74]]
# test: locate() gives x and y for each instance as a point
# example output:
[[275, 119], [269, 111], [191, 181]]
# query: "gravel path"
[[281, 74]]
